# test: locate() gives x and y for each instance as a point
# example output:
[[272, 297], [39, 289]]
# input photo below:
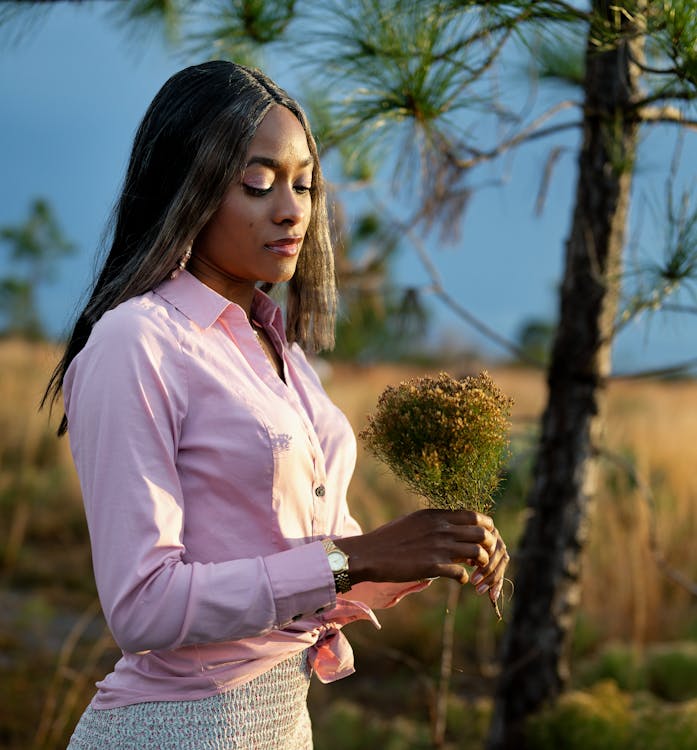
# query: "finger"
[[498, 550], [472, 554], [471, 518], [490, 543], [456, 572], [498, 556], [477, 534], [486, 522], [494, 572], [497, 559]]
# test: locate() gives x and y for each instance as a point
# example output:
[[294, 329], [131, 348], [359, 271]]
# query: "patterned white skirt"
[[267, 713]]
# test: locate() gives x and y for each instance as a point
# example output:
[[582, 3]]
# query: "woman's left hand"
[[490, 577]]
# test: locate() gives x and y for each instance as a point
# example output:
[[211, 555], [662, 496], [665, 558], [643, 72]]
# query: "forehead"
[[281, 137]]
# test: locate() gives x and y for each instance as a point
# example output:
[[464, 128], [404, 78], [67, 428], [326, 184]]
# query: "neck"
[[237, 290]]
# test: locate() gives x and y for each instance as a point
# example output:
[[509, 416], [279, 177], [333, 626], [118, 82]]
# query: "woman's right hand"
[[424, 544]]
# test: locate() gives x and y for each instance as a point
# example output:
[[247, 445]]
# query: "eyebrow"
[[265, 161]]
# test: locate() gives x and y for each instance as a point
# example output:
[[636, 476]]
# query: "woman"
[[213, 466]]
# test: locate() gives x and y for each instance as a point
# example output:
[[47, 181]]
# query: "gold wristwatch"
[[339, 564]]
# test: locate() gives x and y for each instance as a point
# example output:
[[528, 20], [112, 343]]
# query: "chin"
[[280, 275]]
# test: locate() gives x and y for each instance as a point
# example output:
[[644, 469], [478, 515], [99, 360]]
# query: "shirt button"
[[319, 491]]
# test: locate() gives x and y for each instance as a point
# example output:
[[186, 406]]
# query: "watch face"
[[337, 560]]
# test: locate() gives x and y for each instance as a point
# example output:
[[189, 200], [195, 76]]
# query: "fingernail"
[[476, 578], [481, 589]]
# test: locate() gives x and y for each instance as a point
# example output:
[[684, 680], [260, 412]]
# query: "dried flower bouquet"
[[447, 439]]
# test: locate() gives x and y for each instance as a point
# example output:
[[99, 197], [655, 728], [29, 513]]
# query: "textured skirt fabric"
[[267, 713]]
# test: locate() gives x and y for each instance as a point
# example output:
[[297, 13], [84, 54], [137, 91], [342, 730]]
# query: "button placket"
[[319, 491]]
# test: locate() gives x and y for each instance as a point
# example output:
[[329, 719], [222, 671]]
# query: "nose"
[[290, 207]]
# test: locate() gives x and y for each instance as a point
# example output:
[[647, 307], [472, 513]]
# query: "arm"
[[126, 398]]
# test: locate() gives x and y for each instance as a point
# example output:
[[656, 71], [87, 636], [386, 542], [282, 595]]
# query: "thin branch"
[[446, 663], [649, 69], [481, 34], [666, 114], [547, 178], [48, 711], [690, 309], [572, 10], [485, 330], [436, 287], [646, 492], [440, 292], [528, 134], [682, 95], [679, 368], [486, 64], [527, 14]]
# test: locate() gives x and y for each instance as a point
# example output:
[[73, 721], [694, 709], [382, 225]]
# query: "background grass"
[[634, 658]]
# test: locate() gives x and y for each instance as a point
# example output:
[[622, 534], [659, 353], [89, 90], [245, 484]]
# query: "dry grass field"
[[641, 537]]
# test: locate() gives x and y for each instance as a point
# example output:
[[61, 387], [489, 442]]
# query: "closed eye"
[[254, 191]]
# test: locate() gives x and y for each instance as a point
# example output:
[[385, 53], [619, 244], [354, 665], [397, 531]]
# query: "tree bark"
[[534, 665]]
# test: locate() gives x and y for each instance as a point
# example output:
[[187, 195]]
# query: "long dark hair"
[[190, 146]]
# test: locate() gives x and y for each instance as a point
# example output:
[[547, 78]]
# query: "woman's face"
[[257, 232]]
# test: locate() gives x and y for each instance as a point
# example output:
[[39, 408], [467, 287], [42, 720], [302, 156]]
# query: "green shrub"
[[468, 722], [348, 726], [672, 671], [619, 663], [597, 720], [604, 718], [665, 727]]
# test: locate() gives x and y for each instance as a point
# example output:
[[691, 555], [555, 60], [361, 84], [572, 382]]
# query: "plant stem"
[[446, 663]]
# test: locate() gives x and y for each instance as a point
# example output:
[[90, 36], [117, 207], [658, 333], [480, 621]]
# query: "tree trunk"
[[534, 666]]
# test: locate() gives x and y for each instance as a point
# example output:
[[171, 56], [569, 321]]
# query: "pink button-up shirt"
[[208, 484]]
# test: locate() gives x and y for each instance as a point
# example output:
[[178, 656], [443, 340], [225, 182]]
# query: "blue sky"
[[73, 91]]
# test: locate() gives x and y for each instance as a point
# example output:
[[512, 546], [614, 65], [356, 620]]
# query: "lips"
[[286, 246]]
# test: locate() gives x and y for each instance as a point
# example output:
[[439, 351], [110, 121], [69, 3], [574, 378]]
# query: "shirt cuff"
[[301, 581]]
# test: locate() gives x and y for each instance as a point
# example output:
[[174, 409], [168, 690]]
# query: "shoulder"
[[137, 323], [133, 352], [136, 341]]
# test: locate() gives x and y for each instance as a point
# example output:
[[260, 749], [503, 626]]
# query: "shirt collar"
[[204, 306]]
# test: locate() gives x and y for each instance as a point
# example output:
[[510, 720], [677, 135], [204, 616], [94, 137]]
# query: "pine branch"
[[486, 64], [528, 14]]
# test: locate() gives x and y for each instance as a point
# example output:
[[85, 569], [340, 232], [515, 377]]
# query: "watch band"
[[342, 581]]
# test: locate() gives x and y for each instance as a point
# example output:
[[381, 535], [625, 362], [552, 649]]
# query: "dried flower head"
[[447, 439]]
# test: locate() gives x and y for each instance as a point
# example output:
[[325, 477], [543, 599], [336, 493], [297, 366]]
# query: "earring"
[[182, 263]]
